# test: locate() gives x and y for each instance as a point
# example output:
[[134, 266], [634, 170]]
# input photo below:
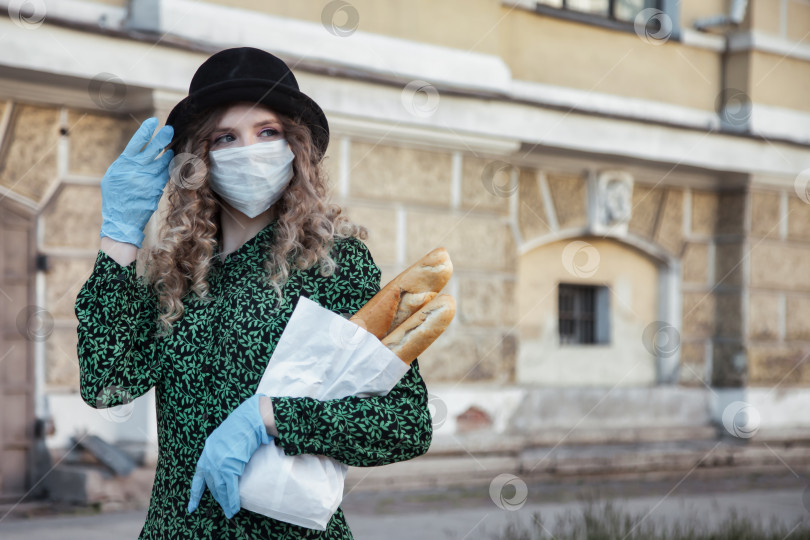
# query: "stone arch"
[[647, 237]]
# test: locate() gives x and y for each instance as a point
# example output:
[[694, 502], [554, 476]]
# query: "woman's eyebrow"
[[257, 124]]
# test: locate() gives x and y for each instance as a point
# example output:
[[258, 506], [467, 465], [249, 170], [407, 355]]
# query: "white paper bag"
[[324, 356]]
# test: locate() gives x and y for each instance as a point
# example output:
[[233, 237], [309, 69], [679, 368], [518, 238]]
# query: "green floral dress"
[[214, 360]]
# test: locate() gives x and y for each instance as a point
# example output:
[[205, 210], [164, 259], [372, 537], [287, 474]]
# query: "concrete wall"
[[413, 199], [778, 295], [421, 20], [65, 146], [527, 111], [568, 54]]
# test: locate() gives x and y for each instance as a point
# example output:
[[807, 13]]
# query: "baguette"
[[420, 283], [412, 337], [405, 294], [378, 313]]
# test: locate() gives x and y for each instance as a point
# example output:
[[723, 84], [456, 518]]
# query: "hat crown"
[[240, 64], [252, 75]]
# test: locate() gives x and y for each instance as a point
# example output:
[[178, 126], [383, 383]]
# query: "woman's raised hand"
[[133, 184]]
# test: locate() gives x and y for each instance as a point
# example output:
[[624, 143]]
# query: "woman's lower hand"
[[225, 454]]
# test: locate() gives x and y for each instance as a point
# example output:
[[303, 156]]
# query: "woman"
[[247, 232]]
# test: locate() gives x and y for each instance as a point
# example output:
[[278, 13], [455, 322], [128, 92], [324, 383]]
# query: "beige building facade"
[[625, 196]]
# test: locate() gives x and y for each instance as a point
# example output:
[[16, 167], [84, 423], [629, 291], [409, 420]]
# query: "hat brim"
[[280, 98]]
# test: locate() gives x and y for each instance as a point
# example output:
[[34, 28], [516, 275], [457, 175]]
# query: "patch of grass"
[[606, 522]]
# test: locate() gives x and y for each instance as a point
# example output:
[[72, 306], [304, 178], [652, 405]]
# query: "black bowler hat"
[[249, 74]]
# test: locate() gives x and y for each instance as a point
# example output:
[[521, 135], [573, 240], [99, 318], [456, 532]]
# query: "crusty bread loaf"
[[411, 338], [405, 294], [430, 273], [427, 275], [378, 313], [409, 304]]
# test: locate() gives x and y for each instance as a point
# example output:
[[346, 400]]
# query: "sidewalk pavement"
[[471, 513], [489, 522]]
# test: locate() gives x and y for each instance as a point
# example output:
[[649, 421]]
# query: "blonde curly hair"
[[308, 224]]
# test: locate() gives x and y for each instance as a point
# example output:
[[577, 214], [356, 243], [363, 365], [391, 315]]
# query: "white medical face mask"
[[252, 178]]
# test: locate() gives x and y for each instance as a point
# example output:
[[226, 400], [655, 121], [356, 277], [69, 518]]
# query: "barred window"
[[584, 314], [619, 10]]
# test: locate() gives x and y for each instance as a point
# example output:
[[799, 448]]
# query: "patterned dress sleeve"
[[358, 431], [117, 350]]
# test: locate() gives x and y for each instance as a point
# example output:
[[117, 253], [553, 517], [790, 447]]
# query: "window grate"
[[615, 10], [583, 314]]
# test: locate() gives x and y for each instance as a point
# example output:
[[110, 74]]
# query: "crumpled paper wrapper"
[[323, 356]]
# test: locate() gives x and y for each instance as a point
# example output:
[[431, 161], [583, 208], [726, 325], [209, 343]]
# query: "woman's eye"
[[222, 138], [270, 131]]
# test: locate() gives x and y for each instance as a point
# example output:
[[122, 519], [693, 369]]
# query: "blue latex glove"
[[133, 184], [225, 454]]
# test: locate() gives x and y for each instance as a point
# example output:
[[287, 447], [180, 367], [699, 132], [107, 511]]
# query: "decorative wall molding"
[[495, 124], [613, 190], [428, 138], [23, 203], [614, 105], [752, 40], [88, 13]]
